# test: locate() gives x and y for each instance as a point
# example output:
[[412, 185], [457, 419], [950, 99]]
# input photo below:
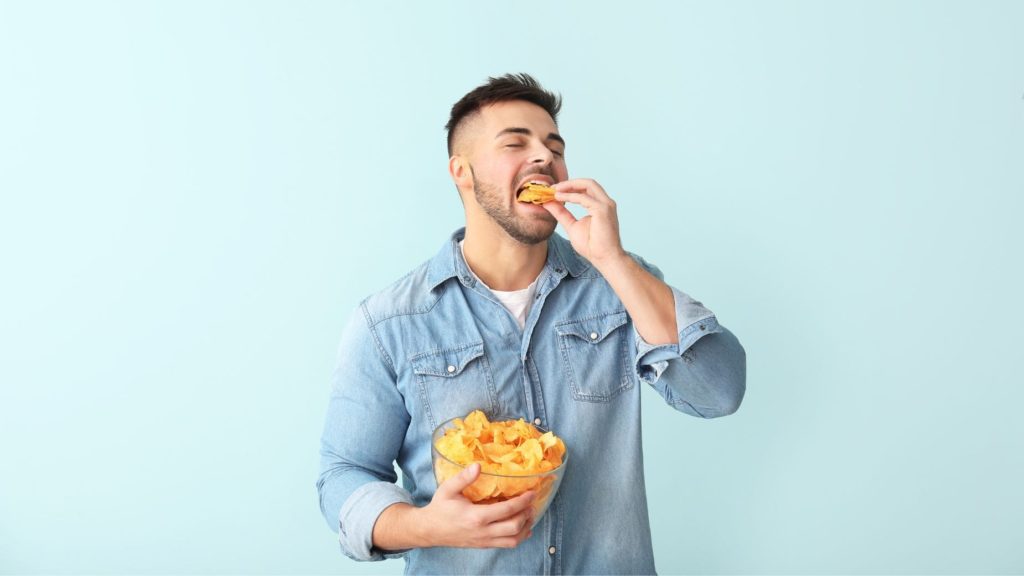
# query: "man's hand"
[[648, 300], [452, 520], [596, 235]]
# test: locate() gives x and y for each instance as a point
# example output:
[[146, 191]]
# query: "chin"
[[531, 235]]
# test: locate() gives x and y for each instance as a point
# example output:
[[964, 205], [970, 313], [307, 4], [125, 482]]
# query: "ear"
[[461, 173]]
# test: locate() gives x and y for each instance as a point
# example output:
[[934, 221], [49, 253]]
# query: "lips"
[[536, 193], [534, 178]]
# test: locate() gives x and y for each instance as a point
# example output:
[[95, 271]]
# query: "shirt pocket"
[[453, 382], [595, 354]]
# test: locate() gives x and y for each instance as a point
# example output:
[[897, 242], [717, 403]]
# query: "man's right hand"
[[451, 519]]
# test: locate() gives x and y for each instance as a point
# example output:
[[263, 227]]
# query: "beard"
[[529, 231]]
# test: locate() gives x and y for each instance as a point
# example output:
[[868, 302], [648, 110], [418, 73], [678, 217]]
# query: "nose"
[[541, 154]]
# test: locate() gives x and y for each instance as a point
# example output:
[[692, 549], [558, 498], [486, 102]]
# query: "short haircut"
[[504, 88]]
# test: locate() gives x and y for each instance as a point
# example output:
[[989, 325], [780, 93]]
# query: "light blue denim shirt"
[[437, 344]]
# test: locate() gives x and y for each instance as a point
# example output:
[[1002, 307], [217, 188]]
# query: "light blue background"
[[195, 196]]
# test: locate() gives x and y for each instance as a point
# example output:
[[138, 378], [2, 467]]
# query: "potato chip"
[[536, 193], [514, 451]]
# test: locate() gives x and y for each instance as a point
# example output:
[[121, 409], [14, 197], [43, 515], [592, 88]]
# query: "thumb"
[[561, 213], [456, 484]]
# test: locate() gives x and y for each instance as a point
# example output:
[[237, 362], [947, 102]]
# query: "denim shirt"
[[437, 344]]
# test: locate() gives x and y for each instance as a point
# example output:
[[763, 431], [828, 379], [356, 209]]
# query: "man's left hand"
[[596, 235]]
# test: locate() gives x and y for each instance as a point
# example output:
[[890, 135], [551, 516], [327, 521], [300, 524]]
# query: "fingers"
[[587, 185], [580, 198], [561, 213], [510, 522], [509, 533], [456, 484], [514, 526], [510, 542], [502, 510], [461, 523], [583, 191]]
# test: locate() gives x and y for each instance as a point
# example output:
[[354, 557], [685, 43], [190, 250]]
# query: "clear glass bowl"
[[543, 484]]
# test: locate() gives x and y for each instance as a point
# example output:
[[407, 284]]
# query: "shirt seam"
[[593, 317], [377, 342], [417, 311]]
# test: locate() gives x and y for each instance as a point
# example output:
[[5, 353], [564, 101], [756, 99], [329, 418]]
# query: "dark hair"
[[507, 87]]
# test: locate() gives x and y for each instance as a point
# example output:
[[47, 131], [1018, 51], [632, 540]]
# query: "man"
[[512, 319]]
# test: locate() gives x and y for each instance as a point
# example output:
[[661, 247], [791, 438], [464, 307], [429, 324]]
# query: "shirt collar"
[[562, 256], [448, 262]]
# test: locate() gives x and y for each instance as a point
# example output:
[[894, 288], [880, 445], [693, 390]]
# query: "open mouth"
[[535, 192]]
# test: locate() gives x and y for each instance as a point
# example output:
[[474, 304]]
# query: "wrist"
[[612, 262], [419, 531], [400, 527]]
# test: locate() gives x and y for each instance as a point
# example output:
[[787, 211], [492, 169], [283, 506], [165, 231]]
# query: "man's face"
[[508, 144]]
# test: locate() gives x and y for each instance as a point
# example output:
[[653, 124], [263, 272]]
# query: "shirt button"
[[536, 421], [593, 335], [451, 369], [702, 327], [551, 550]]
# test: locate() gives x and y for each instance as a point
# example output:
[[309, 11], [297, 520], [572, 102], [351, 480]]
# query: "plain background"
[[195, 196]]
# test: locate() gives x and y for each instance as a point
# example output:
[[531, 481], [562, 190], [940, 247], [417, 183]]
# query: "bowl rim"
[[500, 418]]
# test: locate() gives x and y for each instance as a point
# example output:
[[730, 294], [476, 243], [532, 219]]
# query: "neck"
[[501, 262]]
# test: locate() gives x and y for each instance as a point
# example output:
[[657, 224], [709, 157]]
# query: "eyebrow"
[[526, 131]]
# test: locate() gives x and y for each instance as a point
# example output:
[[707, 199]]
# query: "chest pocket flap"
[[592, 330], [453, 382], [447, 363], [596, 354]]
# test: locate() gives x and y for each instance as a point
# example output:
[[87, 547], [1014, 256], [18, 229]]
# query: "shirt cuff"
[[697, 322], [358, 516]]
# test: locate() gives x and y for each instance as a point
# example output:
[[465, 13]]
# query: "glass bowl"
[[543, 484]]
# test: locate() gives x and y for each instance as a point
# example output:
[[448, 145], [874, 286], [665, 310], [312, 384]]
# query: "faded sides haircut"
[[504, 88]]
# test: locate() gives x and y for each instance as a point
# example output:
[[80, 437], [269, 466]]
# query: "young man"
[[512, 319]]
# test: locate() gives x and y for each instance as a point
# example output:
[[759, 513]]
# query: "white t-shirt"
[[518, 302]]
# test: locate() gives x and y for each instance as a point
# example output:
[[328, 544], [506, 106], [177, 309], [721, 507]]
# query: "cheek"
[[499, 167]]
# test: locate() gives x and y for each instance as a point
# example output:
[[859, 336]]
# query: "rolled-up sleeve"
[[704, 373], [363, 432]]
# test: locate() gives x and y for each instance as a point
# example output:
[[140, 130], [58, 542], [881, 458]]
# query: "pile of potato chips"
[[514, 450]]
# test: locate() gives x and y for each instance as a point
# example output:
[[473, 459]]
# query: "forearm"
[[398, 528], [711, 382], [648, 300]]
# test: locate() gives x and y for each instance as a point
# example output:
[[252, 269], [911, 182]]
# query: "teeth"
[[534, 182]]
